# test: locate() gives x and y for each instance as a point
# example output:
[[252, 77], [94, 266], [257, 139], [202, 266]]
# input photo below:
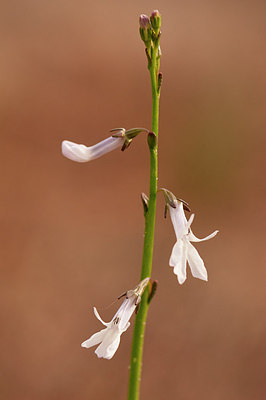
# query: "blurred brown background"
[[71, 234]]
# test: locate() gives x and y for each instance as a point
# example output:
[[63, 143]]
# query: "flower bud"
[[156, 21], [144, 21], [145, 29]]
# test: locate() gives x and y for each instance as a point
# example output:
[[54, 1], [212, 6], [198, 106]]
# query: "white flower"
[[81, 153], [183, 250], [109, 338]]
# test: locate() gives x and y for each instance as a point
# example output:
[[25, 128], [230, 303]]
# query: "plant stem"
[[140, 322]]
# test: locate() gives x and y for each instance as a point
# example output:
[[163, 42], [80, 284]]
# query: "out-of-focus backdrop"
[[71, 234]]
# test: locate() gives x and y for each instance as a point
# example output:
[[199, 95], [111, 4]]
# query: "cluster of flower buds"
[[149, 29]]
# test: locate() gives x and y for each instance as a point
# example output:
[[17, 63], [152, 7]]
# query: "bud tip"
[[155, 14], [144, 21]]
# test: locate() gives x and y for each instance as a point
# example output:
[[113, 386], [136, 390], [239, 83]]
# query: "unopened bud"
[[156, 21], [144, 21], [145, 29]]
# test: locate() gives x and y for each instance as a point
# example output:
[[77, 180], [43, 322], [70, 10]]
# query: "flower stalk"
[[153, 55]]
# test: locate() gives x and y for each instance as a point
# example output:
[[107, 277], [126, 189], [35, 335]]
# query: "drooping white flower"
[[183, 251], [109, 338], [82, 153], [120, 138]]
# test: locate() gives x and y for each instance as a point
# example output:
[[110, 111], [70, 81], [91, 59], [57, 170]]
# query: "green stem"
[[140, 322]]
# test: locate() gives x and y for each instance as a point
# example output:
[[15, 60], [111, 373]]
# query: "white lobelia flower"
[[109, 338], [183, 251], [81, 153], [120, 138]]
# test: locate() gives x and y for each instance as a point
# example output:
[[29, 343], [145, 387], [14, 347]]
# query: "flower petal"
[[111, 340], [178, 219], [178, 260], [81, 153], [196, 263], [75, 152], [189, 222], [105, 146], [94, 339], [99, 318], [192, 238], [125, 312], [126, 327], [112, 348]]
